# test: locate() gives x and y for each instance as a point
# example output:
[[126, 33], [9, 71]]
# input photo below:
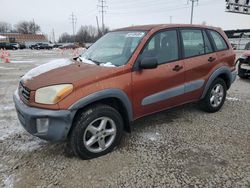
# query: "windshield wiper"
[[96, 62], [91, 61]]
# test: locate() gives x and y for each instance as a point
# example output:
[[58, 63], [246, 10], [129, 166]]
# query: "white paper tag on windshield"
[[135, 35]]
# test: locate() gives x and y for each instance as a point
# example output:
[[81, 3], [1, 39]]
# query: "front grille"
[[24, 92]]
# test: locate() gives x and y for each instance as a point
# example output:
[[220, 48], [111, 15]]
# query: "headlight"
[[53, 94]]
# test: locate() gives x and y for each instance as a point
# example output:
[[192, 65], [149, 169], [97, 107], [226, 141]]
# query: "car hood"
[[63, 71]]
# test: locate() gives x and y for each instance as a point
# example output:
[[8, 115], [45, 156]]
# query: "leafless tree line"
[[24, 27], [86, 34]]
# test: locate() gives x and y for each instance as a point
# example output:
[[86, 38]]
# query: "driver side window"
[[163, 46]]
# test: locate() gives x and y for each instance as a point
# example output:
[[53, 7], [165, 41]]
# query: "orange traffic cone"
[[7, 60], [7, 53]]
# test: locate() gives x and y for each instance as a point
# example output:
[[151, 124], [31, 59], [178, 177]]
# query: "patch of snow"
[[9, 128], [13, 61], [29, 145], [9, 182], [7, 107], [84, 60], [233, 99], [152, 136], [45, 68], [108, 64], [6, 68]]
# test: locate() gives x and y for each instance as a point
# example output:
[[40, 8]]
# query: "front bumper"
[[244, 69], [60, 121]]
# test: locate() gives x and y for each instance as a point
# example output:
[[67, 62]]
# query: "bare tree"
[[26, 27], [5, 27], [86, 34], [65, 37], [89, 34]]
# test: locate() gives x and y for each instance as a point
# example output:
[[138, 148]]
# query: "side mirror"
[[149, 63]]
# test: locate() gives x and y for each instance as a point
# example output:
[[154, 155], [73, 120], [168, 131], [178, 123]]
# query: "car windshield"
[[113, 49]]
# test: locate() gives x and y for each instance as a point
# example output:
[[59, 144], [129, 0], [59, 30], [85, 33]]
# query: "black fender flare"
[[222, 70], [104, 94]]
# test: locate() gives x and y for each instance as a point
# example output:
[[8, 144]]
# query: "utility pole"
[[53, 35], [34, 27], [97, 23], [102, 5], [192, 10], [73, 20]]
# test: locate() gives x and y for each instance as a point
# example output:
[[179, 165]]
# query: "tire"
[[211, 105], [88, 128], [243, 76]]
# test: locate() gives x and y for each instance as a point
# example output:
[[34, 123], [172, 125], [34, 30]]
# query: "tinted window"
[[193, 42], [208, 46], [163, 46], [218, 40]]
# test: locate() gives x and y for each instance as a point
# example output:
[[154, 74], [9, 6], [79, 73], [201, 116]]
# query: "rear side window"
[[193, 42], [219, 41], [163, 46]]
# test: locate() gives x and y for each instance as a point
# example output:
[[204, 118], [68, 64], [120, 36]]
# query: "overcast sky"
[[55, 14]]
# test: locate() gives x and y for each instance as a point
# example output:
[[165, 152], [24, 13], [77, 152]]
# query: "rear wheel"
[[98, 130], [215, 96]]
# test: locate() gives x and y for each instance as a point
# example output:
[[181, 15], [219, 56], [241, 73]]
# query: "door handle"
[[211, 59], [177, 68]]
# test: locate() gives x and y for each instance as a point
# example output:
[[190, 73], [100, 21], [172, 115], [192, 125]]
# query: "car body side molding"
[[104, 94], [173, 92]]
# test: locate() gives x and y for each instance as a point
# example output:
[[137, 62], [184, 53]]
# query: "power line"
[[103, 6]]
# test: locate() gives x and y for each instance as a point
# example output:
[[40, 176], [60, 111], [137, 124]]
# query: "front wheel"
[[97, 131], [215, 96]]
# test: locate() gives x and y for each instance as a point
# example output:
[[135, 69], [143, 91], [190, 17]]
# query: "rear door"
[[200, 59], [162, 87]]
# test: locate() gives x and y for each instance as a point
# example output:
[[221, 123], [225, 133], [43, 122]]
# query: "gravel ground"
[[182, 147]]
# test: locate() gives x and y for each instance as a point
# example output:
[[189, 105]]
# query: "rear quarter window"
[[219, 41]]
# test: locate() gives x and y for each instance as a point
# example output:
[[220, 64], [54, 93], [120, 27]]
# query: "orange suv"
[[127, 74]]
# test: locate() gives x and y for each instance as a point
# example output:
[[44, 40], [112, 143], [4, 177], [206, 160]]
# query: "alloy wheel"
[[99, 134]]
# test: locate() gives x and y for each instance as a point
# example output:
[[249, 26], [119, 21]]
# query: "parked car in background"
[[69, 46], [9, 46], [41, 46], [22, 46], [127, 74], [57, 45], [244, 65]]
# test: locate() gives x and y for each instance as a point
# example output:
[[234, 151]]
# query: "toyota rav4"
[[127, 74]]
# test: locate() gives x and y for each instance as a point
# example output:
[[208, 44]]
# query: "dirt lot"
[[184, 147]]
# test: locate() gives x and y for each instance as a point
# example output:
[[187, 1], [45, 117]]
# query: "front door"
[[162, 87]]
